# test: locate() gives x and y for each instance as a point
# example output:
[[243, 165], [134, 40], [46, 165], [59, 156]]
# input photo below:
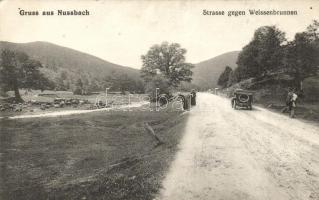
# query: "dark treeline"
[[19, 71], [85, 83], [270, 56]]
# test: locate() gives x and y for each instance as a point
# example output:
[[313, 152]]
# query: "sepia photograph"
[[159, 100]]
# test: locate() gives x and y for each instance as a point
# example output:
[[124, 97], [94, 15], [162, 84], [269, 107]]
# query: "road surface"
[[240, 154]]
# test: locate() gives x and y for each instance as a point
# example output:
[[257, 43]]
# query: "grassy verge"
[[107, 155], [305, 110], [275, 101], [273, 97]]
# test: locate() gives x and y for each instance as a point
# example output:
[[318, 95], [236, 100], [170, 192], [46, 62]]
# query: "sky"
[[121, 31]]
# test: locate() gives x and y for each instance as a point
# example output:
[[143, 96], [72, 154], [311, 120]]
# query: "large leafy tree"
[[302, 54], [17, 70], [167, 60], [263, 54], [313, 31]]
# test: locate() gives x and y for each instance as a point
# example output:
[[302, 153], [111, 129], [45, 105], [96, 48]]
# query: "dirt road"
[[241, 154]]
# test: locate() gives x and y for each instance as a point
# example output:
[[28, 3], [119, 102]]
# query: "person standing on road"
[[193, 97], [292, 107], [291, 102]]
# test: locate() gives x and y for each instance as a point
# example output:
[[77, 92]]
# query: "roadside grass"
[[274, 99], [305, 110], [104, 155]]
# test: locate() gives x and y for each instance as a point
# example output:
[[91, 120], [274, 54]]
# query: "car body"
[[242, 99]]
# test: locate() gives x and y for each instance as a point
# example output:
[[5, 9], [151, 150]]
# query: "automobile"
[[242, 99]]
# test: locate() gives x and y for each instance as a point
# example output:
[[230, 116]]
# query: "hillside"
[[72, 63], [206, 73]]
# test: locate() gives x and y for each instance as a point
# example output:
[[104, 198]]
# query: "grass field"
[[103, 155]]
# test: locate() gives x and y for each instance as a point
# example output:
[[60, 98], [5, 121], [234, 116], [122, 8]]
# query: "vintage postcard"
[[159, 100]]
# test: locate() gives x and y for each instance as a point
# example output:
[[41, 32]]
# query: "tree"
[[45, 83], [62, 81], [302, 58], [224, 77], [78, 87], [313, 31], [158, 81], [122, 82], [85, 84], [17, 70], [313, 35], [94, 86], [169, 61], [107, 82], [264, 54], [234, 77], [139, 86]]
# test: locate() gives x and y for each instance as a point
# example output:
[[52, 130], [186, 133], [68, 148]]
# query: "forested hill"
[[272, 63], [69, 64], [206, 73]]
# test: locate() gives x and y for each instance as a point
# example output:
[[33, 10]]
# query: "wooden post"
[[106, 96], [152, 132], [187, 103]]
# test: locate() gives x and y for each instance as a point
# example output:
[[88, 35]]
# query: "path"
[[240, 154]]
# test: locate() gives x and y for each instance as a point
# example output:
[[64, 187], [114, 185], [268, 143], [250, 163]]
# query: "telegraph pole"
[[106, 96]]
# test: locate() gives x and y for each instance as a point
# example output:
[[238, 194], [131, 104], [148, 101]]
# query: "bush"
[[311, 89], [3, 92], [77, 91]]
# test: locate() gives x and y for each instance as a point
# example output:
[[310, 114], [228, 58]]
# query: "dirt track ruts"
[[241, 154]]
